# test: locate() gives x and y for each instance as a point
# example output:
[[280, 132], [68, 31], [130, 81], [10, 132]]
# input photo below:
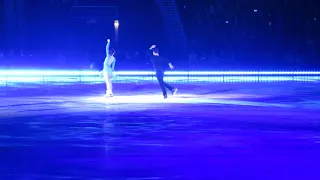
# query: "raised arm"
[[152, 47], [107, 55], [107, 47]]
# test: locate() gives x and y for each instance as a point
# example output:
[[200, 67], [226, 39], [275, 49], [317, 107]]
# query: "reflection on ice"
[[181, 99]]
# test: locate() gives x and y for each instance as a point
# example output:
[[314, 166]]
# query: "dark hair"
[[112, 51], [155, 50]]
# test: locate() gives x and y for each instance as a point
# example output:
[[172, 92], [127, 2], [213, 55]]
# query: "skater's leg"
[[172, 89], [168, 86], [159, 75], [110, 84], [108, 79]]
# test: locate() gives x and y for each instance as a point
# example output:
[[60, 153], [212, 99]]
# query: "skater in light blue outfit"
[[108, 68]]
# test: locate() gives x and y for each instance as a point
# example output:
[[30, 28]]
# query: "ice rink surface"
[[207, 131]]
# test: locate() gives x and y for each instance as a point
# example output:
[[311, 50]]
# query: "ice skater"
[[159, 65], [108, 68]]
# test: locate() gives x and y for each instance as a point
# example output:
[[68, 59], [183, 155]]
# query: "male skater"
[[108, 68], [159, 65]]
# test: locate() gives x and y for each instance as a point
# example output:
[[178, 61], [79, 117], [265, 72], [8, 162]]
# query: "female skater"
[[108, 68]]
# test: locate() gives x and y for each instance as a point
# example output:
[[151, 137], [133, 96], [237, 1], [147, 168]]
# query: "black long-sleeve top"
[[159, 63]]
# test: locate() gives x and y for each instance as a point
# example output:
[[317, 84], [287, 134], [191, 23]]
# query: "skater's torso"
[[159, 63], [108, 63]]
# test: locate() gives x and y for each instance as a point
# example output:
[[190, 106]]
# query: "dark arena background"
[[247, 105]]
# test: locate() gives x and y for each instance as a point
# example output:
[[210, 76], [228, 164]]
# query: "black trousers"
[[163, 85]]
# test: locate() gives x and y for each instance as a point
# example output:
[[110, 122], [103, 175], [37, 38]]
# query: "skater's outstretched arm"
[[170, 64], [167, 61]]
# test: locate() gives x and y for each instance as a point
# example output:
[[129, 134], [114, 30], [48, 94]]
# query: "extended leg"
[[172, 89], [168, 86]]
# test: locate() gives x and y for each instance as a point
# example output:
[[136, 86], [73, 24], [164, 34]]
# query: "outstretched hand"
[[171, 66], [108, 40]]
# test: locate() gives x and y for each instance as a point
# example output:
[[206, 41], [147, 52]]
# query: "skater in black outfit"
[[159, 65]]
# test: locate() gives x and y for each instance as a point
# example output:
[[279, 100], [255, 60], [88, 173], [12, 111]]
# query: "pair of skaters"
[[159, 64]]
